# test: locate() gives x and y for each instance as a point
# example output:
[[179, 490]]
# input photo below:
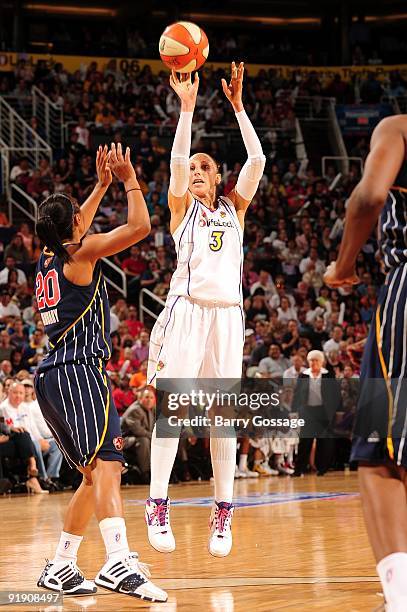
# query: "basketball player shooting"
[[72, 385], [382, 459], [200, 333]]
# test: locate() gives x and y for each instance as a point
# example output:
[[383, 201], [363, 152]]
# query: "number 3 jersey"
[[209, 246], [76, 318]]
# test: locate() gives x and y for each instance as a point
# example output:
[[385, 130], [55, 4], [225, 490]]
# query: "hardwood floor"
[[299, 545]]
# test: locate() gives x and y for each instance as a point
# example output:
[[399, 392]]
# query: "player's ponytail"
[[55, 223]]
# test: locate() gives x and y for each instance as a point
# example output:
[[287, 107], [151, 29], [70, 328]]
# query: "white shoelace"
[[134, 564]]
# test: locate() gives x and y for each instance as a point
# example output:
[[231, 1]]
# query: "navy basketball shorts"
[[77, 404], [381, 421]]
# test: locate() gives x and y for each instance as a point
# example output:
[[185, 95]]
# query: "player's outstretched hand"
[[102, 167], [333, 278], [185, 88], [121, 166], [233, 91]]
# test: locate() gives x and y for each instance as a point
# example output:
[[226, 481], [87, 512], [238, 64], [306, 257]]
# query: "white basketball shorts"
[[196, 339]]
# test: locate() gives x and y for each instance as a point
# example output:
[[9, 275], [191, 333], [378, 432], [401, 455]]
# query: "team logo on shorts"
[[160, 366], [222, 214], [118, 443]]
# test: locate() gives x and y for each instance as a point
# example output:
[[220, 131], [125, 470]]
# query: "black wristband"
[[134, 189]]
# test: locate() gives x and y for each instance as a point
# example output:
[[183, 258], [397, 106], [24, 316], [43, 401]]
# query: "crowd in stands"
[[293, 229]]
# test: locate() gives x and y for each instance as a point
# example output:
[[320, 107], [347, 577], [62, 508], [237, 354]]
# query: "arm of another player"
[[252, 171], [368, 198], [179, 198], [91, 204], [138, 220]]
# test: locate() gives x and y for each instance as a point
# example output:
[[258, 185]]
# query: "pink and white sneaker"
[[220, 524], [157, 515]]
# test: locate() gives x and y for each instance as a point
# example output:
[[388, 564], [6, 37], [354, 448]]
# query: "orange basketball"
[[184, 46]]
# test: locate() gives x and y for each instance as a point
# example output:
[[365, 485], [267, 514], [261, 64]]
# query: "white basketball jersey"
[[209, 247]]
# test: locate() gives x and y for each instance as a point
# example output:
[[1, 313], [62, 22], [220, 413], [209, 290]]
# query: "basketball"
[[184, 46]]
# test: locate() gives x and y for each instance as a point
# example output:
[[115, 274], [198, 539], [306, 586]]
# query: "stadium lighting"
[[95, 11], [262, 19]]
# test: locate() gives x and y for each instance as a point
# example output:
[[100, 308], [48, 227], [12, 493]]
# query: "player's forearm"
[[137, 216], [252, 171], [361, 217], [91, 204], [180, 153]]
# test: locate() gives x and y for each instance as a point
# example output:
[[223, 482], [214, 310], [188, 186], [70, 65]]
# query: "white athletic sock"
[[114, 535], [258, 461], [163, 453], [223, 455], [243, 463], [67, 549], [392, 571]]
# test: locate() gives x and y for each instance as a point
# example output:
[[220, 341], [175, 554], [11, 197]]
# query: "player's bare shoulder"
[[391, 125]]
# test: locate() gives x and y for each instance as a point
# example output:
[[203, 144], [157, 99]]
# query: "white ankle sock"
[[114, 535], [163, 453], [258, 461], [223, 455], [67, 549], [243, 463], [392, 571]]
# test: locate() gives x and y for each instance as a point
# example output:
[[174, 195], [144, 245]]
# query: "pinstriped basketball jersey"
[[76, 318], [209, 246], [393, 223]]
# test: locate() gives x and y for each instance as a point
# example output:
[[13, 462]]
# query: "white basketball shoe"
[[65, 577], [128, 576], [220, 525], [157, 515], [249, 474]]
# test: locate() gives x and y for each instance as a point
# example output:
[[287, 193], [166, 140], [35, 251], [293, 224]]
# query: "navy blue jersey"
[[393, 223], [76, 318]]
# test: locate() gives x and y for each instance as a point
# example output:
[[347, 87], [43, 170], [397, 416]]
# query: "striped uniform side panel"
[[384, 368], [239, 230], [393, 229]]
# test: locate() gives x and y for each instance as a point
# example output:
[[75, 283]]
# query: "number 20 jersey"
[[76, 318], [209, 246]]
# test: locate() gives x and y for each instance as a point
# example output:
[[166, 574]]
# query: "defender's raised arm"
[[369, 196]]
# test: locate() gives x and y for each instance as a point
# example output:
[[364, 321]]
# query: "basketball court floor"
[[299, 545]]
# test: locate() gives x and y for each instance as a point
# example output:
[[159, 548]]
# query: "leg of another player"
[[243, 469], [108, 505], [122, 571], [384, 502], [80, 508], [77, 517], [62, 573]]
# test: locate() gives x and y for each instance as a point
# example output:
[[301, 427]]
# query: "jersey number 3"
[[216, 241], [47, 289]]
